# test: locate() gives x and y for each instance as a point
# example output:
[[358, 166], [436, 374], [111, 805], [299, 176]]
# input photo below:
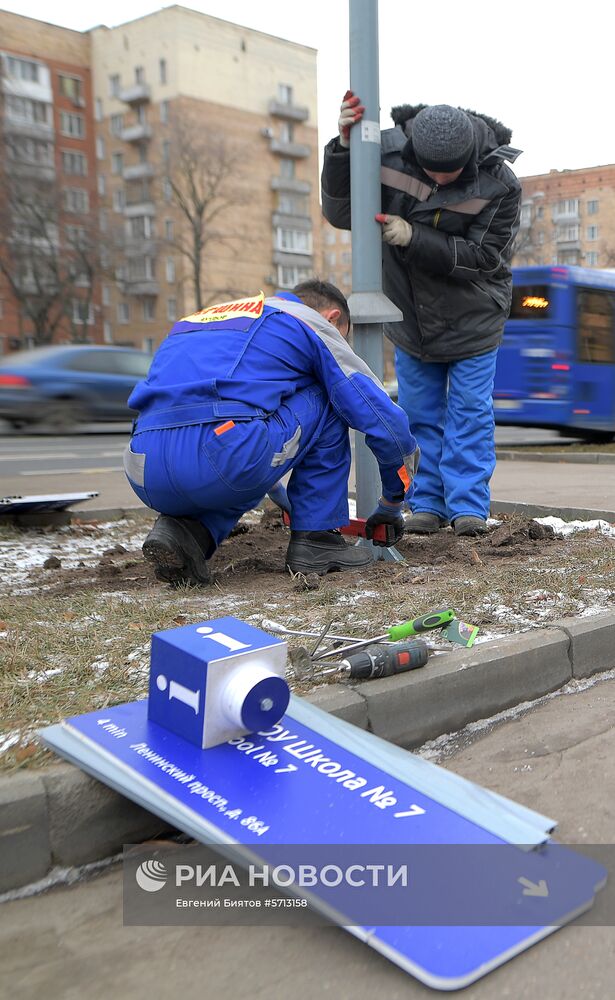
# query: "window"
[[591, 258], [24, 109], [329, 237], [102, 187], [23, 69], [167, 190], [119, 200], [168, 229], [141, 269], [106, 295], [162, 68], [294, 204], [566, 207], [568, 234], [139, 74], [166, 151], [100, 147], [114, 85], [526, 215], [540, 211], [289, 276], [35, 151], [74, 163], [293, 240], [170, 270], [149, 314], [71, 87], [285, 93], [123, 312], [76, 200], [287, 132], [82, 312], [141, 114], [330, 259], [116, 124], [596, 326], [71, 124], [592, 232], [164, 112], [98, 109], [345, 235], [140, 228], [592, 207], [171, 309], [117, 163], [287, 169], [131, 363], [76, 236], [107, 332]]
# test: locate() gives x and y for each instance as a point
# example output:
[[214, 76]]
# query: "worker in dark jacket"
[[238, 395], [450, 212]]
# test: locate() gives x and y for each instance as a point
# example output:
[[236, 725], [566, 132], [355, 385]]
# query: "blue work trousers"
[[450, 409], [191, 471]]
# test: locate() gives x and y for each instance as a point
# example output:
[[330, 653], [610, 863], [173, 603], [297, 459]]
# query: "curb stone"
[[61, 816], [573, 457]]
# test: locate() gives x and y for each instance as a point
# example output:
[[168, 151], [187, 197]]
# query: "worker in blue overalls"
[[239, 395]]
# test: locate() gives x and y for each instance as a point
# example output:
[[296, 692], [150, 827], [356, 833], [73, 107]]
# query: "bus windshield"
[[531, 302]]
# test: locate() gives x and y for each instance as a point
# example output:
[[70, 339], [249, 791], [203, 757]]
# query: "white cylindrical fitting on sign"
[[254, 698]]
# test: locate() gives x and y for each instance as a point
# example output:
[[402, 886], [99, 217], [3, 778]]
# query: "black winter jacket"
[[453, 282]]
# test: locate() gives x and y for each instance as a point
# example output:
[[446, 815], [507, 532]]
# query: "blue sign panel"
[[291, 785]]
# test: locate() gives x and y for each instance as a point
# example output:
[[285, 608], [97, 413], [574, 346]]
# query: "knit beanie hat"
[[442, 138]]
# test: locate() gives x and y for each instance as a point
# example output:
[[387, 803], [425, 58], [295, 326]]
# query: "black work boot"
[[423, 522], [324, 551], [178, 548]]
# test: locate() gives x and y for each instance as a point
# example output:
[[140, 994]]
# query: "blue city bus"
[[556, 365]]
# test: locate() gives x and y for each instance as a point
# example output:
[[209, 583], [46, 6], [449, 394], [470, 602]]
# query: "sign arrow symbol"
[[533, 888]]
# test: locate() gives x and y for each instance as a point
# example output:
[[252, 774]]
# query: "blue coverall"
[[238, 395]]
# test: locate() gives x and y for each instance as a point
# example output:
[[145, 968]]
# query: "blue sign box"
[[200, 688], [294, 784]]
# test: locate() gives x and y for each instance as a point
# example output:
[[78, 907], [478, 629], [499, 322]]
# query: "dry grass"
[[69, 645]]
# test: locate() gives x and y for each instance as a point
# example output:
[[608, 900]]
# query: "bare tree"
[[50, 260], [204, 180]]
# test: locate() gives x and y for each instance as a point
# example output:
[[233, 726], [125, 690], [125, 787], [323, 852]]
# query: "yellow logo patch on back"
[[251, 307]]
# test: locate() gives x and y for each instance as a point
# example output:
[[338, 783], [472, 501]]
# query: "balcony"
[[42, 173], [138, 172], [136, 208], [294, 150], [143, 288], [291, 221], [562, 243], [29, 130], [136, 133], [290, 112], [142, 246], [291, 185], [137, 94], [288, 258], [560, 217]]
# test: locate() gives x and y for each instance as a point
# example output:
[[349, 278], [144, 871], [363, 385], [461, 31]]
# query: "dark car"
[[57, 388]]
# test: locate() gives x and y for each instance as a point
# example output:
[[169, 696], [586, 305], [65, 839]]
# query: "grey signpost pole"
[[369, 306]]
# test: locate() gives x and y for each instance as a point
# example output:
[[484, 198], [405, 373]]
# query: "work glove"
[[351, 112], [389, 513], [395, 230], [279, 496]]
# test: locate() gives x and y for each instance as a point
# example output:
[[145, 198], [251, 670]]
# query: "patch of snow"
[[8, 740], [565, 528]]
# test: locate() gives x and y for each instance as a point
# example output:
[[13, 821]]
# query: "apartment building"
[[47, 183], [204, 164], [568, 217]]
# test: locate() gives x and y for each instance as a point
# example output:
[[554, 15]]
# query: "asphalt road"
[[92, 461], [559, 759]]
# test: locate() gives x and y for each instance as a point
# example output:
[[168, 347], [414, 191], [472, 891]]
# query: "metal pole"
[[369, 306]]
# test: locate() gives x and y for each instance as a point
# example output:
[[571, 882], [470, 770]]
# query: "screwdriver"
[[433, 619], [383, 661]]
